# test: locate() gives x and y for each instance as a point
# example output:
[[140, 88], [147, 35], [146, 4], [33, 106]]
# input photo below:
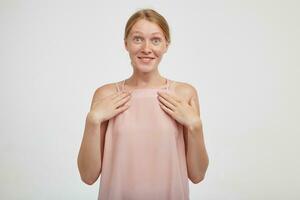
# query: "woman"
[[144, 134]]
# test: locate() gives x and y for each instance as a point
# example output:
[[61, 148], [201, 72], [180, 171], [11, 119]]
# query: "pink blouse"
[[144, 153]]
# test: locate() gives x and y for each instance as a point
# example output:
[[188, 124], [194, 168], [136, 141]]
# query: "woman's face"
[[146, 45]]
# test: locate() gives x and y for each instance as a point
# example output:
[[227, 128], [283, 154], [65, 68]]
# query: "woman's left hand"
[[179, 109]]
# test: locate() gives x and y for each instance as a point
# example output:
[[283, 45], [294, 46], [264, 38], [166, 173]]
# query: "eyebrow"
[[142, 33]]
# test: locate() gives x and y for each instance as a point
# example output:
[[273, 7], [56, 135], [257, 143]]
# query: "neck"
[[145, 80]]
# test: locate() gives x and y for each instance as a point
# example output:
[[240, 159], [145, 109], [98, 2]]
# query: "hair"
[[151, 16]]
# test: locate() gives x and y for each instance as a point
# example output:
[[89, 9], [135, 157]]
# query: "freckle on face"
[[142, 31]]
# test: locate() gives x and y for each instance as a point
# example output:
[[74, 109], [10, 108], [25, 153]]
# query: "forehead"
[[145, 27]]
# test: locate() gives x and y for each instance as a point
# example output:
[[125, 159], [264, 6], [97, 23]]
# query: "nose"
[[146, 47]]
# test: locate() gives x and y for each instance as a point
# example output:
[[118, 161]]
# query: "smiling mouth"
[[146, 59]]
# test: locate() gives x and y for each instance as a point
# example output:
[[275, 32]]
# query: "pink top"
[[144, 154]]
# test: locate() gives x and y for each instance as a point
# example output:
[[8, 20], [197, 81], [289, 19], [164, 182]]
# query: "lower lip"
[[146, 60]]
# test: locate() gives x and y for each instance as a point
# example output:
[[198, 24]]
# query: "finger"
[[122, 101], [169, 98], [120, 96], [175, 97], [170, 112], [122, 108], [115, 94], [166, 103]]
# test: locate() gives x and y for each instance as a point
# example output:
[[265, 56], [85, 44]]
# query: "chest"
[[145, 117]]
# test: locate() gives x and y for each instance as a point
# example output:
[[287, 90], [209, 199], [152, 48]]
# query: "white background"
[[241, 56]]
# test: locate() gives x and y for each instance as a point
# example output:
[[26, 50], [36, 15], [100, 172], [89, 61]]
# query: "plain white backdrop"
[[241, 56]]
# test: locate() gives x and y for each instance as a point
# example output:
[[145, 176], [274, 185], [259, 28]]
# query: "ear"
[[125, 44], [167, 47]]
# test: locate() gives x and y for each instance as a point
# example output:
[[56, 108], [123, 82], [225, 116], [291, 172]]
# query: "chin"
[[145, 68]]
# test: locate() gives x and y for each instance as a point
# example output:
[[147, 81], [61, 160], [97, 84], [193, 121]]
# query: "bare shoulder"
[[184, 90], [103, 91], [106, 89], [188, 93]]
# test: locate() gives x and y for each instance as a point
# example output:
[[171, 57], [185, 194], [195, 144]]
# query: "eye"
[[137, 38], [156, 40]]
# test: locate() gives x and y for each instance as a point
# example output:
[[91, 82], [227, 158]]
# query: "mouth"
[[145, 59]]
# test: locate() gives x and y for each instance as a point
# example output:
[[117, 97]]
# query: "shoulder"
[[185, 90], [105, 90], [188, 93]]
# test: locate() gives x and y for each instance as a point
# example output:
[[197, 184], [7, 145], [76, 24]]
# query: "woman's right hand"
[[107, 107]]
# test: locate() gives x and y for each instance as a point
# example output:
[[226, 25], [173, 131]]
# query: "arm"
[[197, 158], [89, 160]]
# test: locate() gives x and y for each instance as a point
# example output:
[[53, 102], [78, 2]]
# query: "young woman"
[[144, 134]]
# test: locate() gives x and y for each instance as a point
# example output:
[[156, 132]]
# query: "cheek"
[[159, 51], [136, 50], [132, 49]]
